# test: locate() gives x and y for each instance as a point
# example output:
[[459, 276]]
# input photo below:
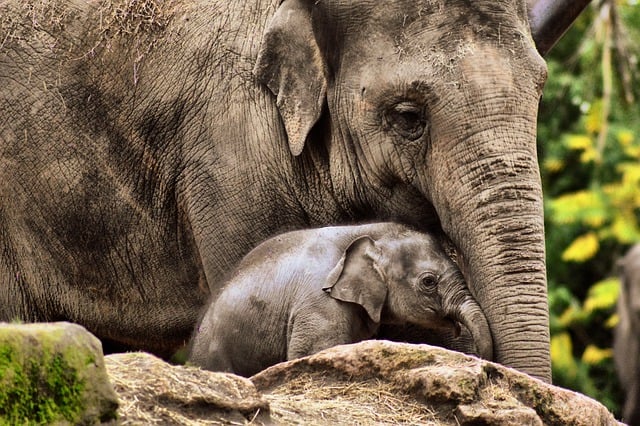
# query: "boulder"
[[390, 383], [371, 382], [155, 392], [53, 373]]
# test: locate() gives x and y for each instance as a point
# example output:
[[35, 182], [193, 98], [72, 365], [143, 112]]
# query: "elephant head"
[[407, 278], [429, 127]]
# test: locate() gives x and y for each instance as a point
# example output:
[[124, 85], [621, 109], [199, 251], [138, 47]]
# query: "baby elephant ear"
[[355, 279], [290, 64]]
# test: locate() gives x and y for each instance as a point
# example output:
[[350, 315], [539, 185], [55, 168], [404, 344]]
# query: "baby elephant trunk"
[[473, 318], [460, 306]]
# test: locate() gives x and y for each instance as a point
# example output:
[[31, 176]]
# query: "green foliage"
[[36, 392], [581, 359], [590, 164]]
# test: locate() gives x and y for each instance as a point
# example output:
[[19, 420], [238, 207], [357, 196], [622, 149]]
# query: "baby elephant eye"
[[407, 120], [429, 281]]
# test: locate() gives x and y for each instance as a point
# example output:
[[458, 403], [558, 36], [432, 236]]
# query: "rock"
[[372, 382], [53, 373], [155, 392], [439, 386]]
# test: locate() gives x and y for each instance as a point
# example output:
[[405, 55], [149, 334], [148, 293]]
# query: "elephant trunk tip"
[[485, 348], [472, 317]]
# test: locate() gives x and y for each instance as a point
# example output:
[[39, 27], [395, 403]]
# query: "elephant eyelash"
[[406, 119], [428, 281]]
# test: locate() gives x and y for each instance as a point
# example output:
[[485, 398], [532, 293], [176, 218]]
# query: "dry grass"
[[344, 385], [135, 16], [154, 392], [143, 23], [20, 20], [313, 399]]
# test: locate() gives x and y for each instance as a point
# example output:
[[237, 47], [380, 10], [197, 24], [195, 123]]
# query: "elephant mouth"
[[444, 324], [454, 326]]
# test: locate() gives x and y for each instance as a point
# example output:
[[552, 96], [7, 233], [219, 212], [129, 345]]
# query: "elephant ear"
[[355, 278], [290, 64]]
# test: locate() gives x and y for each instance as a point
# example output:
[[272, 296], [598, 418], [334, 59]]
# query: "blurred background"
[[589, 151]]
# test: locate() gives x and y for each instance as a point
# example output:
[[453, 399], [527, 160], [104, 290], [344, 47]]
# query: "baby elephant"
[[304, 291]]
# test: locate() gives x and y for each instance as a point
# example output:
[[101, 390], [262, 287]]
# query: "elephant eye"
[[429, 281], [407, 120]]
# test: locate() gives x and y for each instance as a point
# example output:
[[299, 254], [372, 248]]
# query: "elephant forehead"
[[413, 254], [412, 44], [444, 51], [397, 14], [478, 80]]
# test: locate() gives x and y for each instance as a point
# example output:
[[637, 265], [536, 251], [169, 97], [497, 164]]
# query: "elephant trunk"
[[494, 216], [487, 192], [472, 317], [460, 306], [503, 259]]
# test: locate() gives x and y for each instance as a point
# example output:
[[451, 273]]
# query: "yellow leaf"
[[625, 137], [602, 295], [553, 165], [568, 316], [593, 121], [562, 356], [612, 321], [594, 355], [579, 206], [625, 227], [589, 154], [594, 221], [630, 173], [632, 151], [582, 248], [579, 142]]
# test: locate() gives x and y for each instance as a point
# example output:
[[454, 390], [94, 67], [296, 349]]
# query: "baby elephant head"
[[406, 277]]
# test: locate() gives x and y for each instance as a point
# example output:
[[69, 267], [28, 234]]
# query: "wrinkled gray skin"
[[626, 342], [144, 152], [274, 307]]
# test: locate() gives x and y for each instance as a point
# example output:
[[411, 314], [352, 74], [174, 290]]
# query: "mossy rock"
[[53, 373]]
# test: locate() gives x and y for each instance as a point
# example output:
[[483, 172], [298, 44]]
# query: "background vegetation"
[[589, 148]]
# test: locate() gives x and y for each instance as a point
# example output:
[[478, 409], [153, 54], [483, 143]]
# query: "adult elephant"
[[147, 146], [626, 342]]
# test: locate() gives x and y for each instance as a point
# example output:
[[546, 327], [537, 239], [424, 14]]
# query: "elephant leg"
[[313, 332]]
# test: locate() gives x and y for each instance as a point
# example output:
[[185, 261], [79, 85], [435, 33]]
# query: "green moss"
[[38, 391], [407, 358], [468, 387], [540, 399], [544, 405]]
